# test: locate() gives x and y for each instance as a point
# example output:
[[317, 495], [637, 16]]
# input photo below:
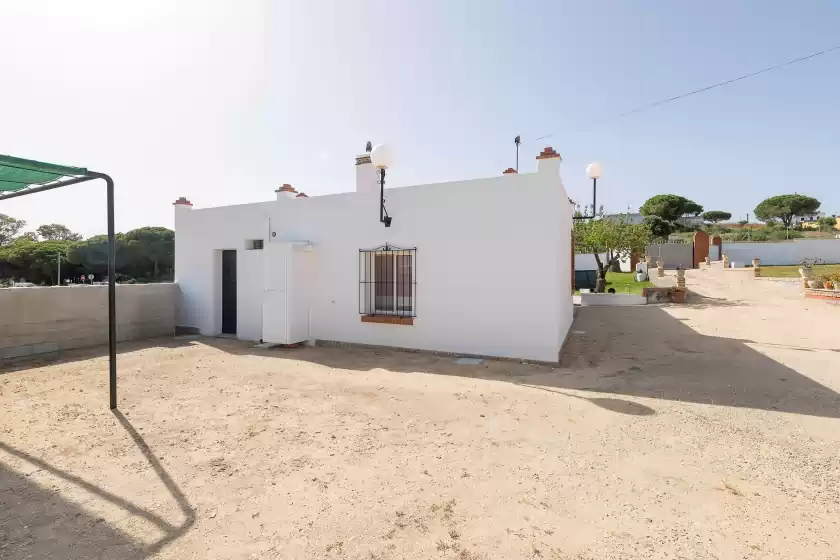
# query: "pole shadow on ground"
[[36, 522]]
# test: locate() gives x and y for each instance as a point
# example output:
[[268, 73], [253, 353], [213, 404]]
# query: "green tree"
[[716, 216], [150, 249], [9, 228], [784, 207], [35, 261], [659, 227], [57, 232], [91, 255], [615, 239], [828, 223], [670, 207]]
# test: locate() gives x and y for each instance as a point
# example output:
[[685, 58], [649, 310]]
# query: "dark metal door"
[[229, 292]]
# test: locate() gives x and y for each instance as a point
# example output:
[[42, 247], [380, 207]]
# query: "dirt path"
[[709, 430]]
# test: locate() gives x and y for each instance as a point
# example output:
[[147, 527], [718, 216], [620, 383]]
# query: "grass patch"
[[621, 281], [792, 271]]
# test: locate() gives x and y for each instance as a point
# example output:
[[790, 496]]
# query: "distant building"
[[808, 220]]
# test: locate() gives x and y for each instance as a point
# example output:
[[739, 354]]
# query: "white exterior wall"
[[493, 263], [784, 252]]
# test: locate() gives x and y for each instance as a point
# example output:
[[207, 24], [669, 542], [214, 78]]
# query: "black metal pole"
[[112, 296], [594, 191], [382, 195], [517, 142], [112, 292]]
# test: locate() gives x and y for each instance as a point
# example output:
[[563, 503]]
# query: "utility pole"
[[749, 237], [59, 270], [517, 141]]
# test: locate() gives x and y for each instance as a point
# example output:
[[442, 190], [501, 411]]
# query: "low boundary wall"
[[50, 319], [778, 253]]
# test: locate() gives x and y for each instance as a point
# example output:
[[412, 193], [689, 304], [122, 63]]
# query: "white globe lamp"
[[381, 156], [594, 170]]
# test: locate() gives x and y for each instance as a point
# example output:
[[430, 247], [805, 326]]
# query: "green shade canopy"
[[17, 174]]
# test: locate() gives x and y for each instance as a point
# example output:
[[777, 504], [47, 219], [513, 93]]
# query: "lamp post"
[[381, 159], [594, 172]]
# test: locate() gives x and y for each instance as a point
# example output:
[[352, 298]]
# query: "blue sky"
[[222, 102]]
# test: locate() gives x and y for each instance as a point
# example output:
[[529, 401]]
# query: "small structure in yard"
[[479, 267]]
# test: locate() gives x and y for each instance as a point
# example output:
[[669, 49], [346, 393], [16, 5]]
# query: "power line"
[[701, 90]]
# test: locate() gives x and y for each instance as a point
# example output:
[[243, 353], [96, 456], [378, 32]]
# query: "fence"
[[42, 320], [776, 253], [675, 254]]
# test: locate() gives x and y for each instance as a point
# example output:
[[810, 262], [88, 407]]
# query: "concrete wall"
[[784, 252], [39, 320], [493, 262], [675, 254]]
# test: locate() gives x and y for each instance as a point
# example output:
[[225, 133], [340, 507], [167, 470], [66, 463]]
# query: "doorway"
[[229, 292]]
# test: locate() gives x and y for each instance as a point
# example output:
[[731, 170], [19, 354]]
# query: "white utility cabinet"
[[288, 276]]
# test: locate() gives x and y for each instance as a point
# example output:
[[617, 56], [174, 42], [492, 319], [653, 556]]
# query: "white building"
[[478, 267], [636, 218]]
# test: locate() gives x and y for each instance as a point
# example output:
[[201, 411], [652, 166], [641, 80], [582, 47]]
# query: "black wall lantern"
[[380, 156]]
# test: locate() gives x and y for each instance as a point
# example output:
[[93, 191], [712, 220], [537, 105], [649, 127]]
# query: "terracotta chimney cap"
[[302, 195], [509, 170], [286, 188], [182, 201], [549, 153]]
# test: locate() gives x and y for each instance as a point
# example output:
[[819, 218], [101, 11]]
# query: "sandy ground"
[[709, 430]]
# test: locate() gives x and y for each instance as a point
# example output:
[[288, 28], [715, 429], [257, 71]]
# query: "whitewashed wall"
[[493, 262], [784, 252]]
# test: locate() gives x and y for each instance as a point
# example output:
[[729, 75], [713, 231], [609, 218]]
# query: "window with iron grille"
[[388, 281]]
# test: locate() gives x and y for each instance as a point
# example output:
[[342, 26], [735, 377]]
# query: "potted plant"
[[815, 284], [828, 281]]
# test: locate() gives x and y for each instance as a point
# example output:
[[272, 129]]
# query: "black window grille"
[[388, 281]]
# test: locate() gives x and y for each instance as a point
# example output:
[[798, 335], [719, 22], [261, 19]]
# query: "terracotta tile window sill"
[[388, 319]]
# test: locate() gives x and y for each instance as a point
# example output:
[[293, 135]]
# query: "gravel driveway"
[[709, 430]]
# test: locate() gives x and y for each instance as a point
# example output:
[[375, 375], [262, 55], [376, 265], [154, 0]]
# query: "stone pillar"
[[725, 260], [649, 261], [660, 267], [757, 267]]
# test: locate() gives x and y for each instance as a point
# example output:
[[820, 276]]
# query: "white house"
[[479, 267]]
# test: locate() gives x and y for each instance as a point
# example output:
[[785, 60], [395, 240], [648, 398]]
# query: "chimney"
[[286, 191], [302, 195], [366, 181], [182, 208], [549, 161], [509, 171]]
